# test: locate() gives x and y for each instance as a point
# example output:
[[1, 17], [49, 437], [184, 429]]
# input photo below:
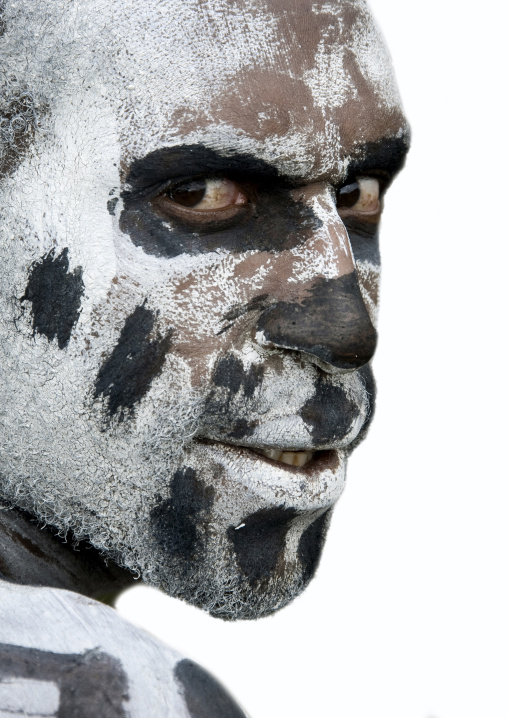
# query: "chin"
[[251, 571], [240, 535]]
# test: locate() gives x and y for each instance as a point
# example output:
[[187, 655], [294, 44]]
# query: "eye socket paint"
[[387, 155], [273, 222]]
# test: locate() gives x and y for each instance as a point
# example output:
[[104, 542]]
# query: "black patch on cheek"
[[90, 684], [260, 542], [111, 205], [127, 374], [240, 429], [274, 220], [221, 411], [230, 374], [310, 545], [55, 294], [175, 519], [329, 413], [204, 695]]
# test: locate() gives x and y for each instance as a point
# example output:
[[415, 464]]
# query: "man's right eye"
[[203, 202], [206, 194]]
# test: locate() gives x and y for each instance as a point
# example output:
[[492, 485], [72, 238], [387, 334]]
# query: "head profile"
[[190, 196]]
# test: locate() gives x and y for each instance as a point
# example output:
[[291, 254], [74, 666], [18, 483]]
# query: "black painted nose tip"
[[331, 323]]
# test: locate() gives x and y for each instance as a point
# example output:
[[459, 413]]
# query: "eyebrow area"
[[184, 161], [387, 154]]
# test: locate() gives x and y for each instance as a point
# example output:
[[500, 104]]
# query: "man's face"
[[189, 280]]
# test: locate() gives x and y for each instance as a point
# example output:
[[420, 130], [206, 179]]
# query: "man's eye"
[[205, 195], [359, 198]]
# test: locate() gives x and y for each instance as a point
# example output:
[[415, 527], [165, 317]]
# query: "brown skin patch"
[[275, 101], [364, 116]]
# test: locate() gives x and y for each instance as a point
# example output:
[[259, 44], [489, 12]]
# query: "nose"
[[331, 322]]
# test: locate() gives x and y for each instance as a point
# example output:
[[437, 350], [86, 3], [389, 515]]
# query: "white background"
[[408, 615]]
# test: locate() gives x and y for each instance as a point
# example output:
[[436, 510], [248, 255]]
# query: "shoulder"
[[63, 654]]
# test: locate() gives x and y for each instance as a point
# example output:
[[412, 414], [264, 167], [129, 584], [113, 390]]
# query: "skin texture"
[[147, 351]]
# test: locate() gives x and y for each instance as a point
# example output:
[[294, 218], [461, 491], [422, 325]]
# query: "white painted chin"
[[256, 527]]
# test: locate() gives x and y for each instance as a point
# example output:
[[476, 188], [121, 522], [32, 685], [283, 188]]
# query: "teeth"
[[293, 458]]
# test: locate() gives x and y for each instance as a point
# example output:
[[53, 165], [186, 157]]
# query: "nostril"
[[331, 323]]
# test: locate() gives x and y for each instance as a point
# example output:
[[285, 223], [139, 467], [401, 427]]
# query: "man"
[[191, 194]]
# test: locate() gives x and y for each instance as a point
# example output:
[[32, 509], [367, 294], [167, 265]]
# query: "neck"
[[34, 555]]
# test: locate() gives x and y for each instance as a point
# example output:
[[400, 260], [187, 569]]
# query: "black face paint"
[[90, 684], [226, 405], [329, 413], [55, 294], [127, 374], [387, 155], [175, 520], [382, 160], [3, 24], [272, 221], [331, 323], [230, 374], [311, 544], [111, 205], [364, 238], [367, 376], [204, 695], [259, 543]]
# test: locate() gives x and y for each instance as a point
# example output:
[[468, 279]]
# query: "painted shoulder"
[[62, 655]]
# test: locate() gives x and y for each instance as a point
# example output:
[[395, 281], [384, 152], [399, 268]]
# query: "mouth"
[[291, 458], [304, 461]]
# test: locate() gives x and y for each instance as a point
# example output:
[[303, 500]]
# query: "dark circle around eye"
[[349, 195], [188, 194]]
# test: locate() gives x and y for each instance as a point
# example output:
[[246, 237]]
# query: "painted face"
[[191, 193]]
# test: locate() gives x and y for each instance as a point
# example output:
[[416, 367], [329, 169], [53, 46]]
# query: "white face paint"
[[188, 279]]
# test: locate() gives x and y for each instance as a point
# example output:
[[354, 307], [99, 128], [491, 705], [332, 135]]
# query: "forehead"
[[302, 81], [298, 84]]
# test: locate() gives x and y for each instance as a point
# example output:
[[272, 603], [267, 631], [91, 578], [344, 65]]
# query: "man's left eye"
[[360, 198], [207, 195]]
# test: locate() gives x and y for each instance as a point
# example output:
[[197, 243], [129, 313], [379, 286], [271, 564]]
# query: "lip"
[[327, 459]]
